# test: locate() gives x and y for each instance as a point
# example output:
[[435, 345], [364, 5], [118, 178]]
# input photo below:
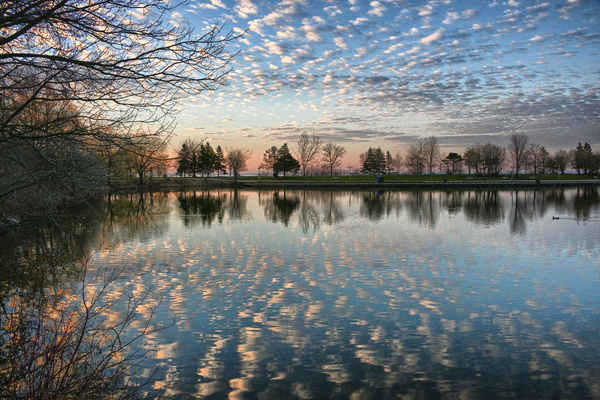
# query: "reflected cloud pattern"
[[365, 295]]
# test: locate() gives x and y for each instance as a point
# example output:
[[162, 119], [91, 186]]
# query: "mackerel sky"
[[388, 73]]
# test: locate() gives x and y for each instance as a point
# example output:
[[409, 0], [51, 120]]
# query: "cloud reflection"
[[413, 294]]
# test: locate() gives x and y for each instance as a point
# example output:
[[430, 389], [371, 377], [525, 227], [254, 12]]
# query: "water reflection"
[[45, 252], [135, 216], [487, 208], [280, 206], [201, 207], [360, 295]]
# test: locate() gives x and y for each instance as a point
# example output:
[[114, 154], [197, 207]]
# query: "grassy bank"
[[419, 178]]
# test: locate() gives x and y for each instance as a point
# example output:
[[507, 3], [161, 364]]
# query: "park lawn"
[[418, 178]]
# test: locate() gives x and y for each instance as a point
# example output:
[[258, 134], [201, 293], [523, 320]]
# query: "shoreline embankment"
[[475, 185]]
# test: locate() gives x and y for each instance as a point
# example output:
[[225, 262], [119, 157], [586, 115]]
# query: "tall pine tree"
[[285, 161]]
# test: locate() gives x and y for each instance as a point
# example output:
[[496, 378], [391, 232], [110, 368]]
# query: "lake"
[[356, 295]]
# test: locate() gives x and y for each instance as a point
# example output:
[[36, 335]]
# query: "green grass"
[[416, 178]]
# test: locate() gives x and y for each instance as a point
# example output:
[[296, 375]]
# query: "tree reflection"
[[484, 207], [309, 217], [332, 209], [45, 252], [424, 207], [586, 200], [237, 207], [281, 207], [527, 206], [201, 207], [132, 216], [376, 205], [373, 205]]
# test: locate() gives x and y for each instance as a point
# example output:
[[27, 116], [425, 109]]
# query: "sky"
[[389, 73]]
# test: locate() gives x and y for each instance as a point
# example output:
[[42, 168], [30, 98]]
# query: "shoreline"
[[515, 184], [174, 184]]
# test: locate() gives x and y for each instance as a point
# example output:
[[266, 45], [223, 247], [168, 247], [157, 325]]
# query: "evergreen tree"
[[373, 161], [379, 161], [219, 166], [389, 162], [269, 159], [285, 161], [207, 159], [184, 157], [188, 157], [367, 161], [453, 162], [584, 160]]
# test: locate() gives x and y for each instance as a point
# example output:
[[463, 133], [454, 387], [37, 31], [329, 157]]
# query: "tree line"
[[309, 150], [197, 157], [487, 159], [426, 156]]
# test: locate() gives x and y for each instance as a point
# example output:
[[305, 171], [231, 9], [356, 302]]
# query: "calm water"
[[363, 295]]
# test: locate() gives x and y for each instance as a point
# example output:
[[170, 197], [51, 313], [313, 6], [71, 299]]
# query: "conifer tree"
[[285, 161]]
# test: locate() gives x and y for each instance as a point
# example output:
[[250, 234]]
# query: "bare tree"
[[397, 162], [431, 152], [64, 347], [537, 158], [560, 161], [518, 150], [414, 159], [119, 66], [332, 156], [237, 161], [493, 158], [147, 153], [308, 148]]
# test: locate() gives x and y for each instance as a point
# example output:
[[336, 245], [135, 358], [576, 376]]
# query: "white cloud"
[[451, 17], [256, 26], [468, 14], [434, 37], [427, 11], [341, 43], [275, 48], [377, 8], [345, 29], [245, 8], [360, 21], [288, 34], [414, 50], [393, 48], [273, 18], [332, 11], [413, 32], [312, 33]]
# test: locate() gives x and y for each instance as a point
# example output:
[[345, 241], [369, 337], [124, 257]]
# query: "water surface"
[[365, 295]]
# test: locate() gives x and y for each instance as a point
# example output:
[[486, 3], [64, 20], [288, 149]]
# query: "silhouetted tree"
[[285, 161], [584, 160], [308, 148], [414, 159], [518, 150], [559, 161], [332, 156], [453, 162], [269, 159], [219, 166], [431, 151], [373, 161]]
